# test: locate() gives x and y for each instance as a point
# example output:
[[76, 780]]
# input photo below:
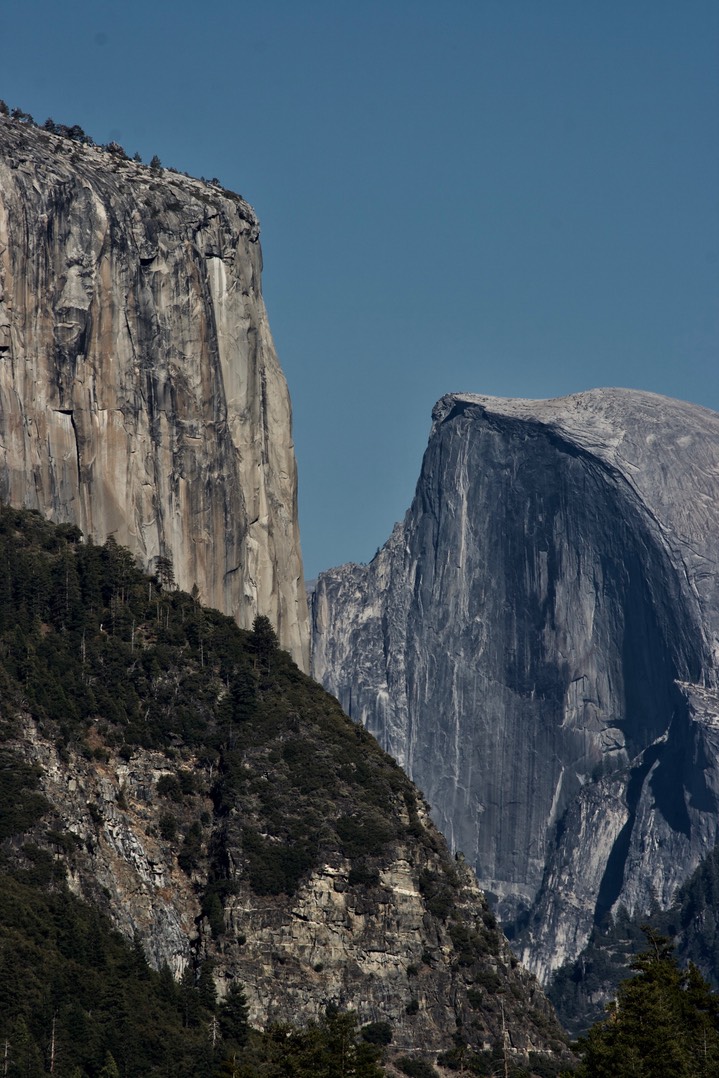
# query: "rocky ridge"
[[537, 644], [140, 393], [217, 805]]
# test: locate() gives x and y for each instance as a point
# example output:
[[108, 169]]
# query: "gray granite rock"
[[381, 950], [140, 392], [537, 644]]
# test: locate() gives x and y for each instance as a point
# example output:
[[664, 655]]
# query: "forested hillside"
[[144, 733]]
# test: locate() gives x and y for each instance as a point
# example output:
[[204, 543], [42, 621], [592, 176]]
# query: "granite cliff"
[[219, 808], [537, 644], [140, 392]]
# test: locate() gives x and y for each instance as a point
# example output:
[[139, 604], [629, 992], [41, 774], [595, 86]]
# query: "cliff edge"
[[537, 644], [185, 778], [140, 393]]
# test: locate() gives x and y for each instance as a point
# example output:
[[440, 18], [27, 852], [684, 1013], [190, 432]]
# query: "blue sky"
[[516, 197]]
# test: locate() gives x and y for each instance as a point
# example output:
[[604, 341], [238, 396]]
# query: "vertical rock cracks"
[[140, 392], [530, 644]]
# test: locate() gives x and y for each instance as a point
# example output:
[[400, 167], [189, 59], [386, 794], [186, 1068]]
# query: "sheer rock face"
[[140, 393], [537, 644]]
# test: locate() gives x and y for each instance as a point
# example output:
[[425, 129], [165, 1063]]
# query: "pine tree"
[[206, 987], [165, 572], [190, 998], [664, 1023], [110, 1068], [234, 1016], [264, 641]]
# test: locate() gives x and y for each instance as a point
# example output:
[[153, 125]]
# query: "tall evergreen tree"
[[264, 641], [233, 1016], [664, 1023], [110, 1069]]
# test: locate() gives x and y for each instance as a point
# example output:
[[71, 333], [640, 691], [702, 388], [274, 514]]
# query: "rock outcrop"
[[537, 644], [140, 393], [220, 808], [378, 951]]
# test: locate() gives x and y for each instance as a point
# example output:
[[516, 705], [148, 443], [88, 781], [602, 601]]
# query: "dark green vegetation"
[[105, 659], [73, 991], [267, 779], [663, 1024], [579, 988], [76, 999]]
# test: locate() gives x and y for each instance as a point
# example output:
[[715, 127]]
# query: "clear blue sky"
[[517, 197]]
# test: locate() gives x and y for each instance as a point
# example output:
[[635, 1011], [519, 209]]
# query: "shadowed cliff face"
[[517, 644], [140, 393], [219, 807]]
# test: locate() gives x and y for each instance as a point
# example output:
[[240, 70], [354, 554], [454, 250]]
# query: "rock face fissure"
[[185, 778], [536, 643], [140, 392], [373, 952]]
